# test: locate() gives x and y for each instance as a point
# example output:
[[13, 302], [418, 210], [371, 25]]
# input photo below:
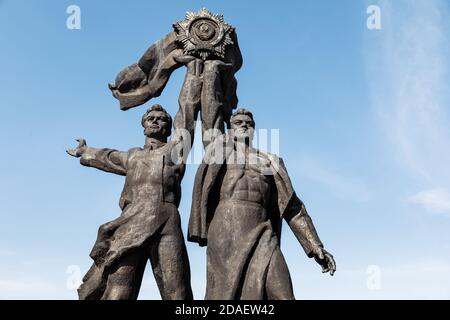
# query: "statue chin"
[[156, 134], [152, 133]]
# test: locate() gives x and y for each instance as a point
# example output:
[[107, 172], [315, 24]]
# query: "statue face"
[[156, 125], [242, 127]]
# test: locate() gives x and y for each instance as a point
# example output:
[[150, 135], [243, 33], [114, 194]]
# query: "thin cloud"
[[4, 252], [434, 200], [413, 279], [342, 186], [410, 92]]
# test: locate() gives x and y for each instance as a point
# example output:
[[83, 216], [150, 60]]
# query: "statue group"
[[240, 196]]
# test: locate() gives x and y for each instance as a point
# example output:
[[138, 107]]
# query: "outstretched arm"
[[302, 226], [108, 160]]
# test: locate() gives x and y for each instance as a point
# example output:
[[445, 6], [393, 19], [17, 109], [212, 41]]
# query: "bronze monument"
[[149, 227], [240, 196]]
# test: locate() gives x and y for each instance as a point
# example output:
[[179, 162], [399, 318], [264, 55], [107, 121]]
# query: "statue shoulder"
[[270, 156], [133, 151], [276, 163]]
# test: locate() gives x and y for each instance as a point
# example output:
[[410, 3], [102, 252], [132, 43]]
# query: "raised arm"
[[108, 160], [142, 81], [301, 224]]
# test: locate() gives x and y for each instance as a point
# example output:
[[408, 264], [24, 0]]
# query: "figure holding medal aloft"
[[208, 47]]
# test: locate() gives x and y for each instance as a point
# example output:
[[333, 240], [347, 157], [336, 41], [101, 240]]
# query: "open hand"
[[194, 65], [79, 150], [325, 259], [216, 65]]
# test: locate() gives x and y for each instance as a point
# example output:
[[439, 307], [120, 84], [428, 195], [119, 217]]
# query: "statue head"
[[242, 125], [157, 123]]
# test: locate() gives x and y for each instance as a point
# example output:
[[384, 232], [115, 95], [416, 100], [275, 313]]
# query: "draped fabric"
[[243, 238], [144, 210], [146, 79]]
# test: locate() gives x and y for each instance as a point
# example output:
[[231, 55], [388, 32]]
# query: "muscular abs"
[[245, 183]]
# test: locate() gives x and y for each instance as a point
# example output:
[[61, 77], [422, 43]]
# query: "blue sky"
[[363, 118]]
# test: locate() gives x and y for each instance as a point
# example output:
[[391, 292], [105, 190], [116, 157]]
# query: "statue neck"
[[153, 143], [242, 146]]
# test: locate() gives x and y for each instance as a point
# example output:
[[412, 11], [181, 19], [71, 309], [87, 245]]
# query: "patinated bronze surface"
[[204, 37], [241, 195], [149, 227], [238, 205]]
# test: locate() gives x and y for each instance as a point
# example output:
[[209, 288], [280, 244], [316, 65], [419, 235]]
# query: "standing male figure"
[[149, 226], [238, 205], [209, 48]]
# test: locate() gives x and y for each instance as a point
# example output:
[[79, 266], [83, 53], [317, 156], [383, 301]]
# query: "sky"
[[363, 118]]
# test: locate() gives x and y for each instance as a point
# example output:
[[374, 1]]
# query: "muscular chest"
[[245, 182], [241, 177]]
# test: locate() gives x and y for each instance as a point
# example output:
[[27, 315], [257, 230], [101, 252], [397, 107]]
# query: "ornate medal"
[[203, 34]]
